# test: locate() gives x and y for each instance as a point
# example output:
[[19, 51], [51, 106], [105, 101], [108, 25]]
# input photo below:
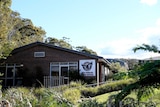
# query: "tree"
[[64, 42], [4, 17], [149, 76], [25, 32], [15, 31], [61, 42], [116, 67], [84, 49], [146, 47], [5, 12]]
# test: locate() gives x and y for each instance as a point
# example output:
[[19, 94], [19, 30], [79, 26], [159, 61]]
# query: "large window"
[[59, 72], [12, 74], [62, 68]]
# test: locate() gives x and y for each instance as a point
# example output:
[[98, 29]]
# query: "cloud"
[[151, 34], [122, 48], [149, 2], [158, 22]]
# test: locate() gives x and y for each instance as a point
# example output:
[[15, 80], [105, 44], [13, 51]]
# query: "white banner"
[[87, 67]]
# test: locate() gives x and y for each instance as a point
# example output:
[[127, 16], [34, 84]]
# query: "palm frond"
[[146, 47]]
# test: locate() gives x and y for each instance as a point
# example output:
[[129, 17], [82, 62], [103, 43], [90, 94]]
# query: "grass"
[[104, 97]]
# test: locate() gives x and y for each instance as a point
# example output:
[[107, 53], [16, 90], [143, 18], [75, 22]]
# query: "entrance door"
[[65, 74]]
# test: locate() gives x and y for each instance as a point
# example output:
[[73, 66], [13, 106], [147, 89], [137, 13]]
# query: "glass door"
[[64, 74]]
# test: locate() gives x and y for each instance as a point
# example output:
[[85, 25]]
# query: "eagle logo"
[[87, 66]]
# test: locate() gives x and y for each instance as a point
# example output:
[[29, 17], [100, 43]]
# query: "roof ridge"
[[53, 46]]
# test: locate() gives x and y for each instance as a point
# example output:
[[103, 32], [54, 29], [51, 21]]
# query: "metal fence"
[[50, 81]]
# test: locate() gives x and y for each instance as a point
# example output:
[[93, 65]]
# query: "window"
[[39, 54], [55, 67]]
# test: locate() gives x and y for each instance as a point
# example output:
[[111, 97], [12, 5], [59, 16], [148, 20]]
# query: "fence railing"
[[50, 81]]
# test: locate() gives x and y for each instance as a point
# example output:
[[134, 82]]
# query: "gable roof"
[[55, 47]]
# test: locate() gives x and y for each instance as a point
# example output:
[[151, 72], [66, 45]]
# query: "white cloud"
[[158, 22], [123, 47], [149, 2], [151, 32]]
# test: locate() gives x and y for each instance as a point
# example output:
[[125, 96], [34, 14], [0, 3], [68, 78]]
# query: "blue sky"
[[109, 27]]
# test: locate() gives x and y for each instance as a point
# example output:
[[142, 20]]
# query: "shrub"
[[89, 91], [50, 98], [40, 97], [90, 103], [19, 97], [105, 88], [72, 95], [76, 84]]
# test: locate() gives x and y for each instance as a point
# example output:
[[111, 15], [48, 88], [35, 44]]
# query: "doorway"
[[64, 74], [59, 72]]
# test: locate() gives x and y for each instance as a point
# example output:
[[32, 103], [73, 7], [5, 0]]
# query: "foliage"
[[48, 97], [75, 76], [64, 42], [149, 75], [72, 95], [15, 31], [130, 102], [146, 47], [125, 75], [77, 84], [120, 76], [116, 67], [90, 103], [19, 96], [132, 63], [59, 42], [84, 49], [25, 97], [105, 88]]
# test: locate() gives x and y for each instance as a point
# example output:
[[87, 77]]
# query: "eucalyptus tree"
[[5, 12], [25, 32], [64, 42], [59, 42], [15, 31], [84, 49]]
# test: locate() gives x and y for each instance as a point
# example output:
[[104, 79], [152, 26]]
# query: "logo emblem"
[[87, 66]]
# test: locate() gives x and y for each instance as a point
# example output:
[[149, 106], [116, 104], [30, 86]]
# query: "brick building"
[[41, 63]]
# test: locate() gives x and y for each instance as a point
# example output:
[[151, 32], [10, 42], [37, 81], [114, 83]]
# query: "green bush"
[[90, 103], [72, 95], [19, 97], [48, 97], [77, 84], [40, 97], [105, 88]]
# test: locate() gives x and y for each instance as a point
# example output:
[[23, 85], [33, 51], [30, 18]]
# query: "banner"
[[87, 67]]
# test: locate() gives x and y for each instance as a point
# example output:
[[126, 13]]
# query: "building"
[[121, 62], [49, 65]]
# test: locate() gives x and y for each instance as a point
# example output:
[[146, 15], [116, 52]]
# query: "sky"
[[110, 27]]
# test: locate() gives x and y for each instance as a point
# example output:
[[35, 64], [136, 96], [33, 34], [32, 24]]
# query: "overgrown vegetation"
[[68, 95], [148, 80], [105, 88]]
